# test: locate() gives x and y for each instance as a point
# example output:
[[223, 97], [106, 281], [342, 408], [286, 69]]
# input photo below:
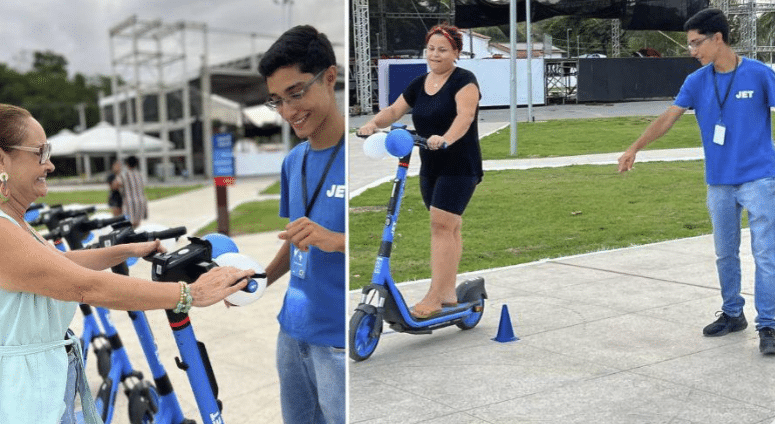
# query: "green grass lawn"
[[523, 216], [250, 218], [253, 217], [274, 188], [95, 197], [571, 137]]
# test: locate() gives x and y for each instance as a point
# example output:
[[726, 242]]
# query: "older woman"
[[40, 287], [445, 104]]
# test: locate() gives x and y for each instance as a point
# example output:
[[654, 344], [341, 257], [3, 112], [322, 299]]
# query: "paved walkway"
[[607, 337]]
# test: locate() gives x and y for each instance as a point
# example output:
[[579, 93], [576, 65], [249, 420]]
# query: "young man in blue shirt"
[[300, 71], [732, 97]]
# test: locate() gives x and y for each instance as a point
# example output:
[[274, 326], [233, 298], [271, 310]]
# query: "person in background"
[[132, 187], [114, 196]]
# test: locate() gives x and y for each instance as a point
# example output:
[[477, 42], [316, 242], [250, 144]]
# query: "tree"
[[50, 63], [585, 36], [49, 95]]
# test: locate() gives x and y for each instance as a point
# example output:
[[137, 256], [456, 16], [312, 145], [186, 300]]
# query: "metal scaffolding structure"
[[745, 15], [363, 70], [154, 62], [616, 31], [362, 57], [142, 52]]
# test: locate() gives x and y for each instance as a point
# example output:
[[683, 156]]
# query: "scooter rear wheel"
[[365, 330], [470, 321]]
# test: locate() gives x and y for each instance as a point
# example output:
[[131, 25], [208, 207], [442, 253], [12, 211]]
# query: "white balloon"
[[168, 244], [238, 260], [374, 146]]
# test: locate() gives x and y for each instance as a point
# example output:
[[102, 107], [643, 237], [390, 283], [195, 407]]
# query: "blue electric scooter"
[[381, 300], [148, 403], [113, 363], [187, 264]]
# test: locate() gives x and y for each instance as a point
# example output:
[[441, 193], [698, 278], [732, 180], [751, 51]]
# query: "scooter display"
[[381, 300], [187, 264]]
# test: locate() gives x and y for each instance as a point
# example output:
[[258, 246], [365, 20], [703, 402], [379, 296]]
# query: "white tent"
[[101, 140], [262, 115], [63, 143]]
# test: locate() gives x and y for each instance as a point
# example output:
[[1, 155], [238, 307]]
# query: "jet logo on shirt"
[[744, 94], [336, 191]]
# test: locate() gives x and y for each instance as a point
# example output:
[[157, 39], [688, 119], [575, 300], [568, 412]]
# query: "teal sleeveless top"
[[33, 360]]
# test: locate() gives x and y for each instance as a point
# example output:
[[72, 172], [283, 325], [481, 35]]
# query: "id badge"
[[719, 133], [299, 261]]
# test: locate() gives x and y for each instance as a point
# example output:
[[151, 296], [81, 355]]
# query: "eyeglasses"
[[694, 45], [43, 151], [276, 101]]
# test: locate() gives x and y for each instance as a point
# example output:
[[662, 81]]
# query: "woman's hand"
[[218, 283], [436, 142], [148, 248], [368, 129]]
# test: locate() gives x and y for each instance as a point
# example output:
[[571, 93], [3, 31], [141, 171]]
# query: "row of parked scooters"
[[149, 401]]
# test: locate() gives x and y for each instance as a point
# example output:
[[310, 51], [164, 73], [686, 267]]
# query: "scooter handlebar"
[[94, 224], [170, 233]]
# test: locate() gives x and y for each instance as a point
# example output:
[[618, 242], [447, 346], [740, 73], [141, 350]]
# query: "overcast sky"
[[78, 29]]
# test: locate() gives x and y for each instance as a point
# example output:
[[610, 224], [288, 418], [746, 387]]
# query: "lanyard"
[[729, 88], [308, 207]]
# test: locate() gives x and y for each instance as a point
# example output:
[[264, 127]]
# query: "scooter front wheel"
[[470, 321], [365, 330]]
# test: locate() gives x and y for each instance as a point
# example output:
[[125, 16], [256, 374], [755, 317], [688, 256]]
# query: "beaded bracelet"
[[184, 303]]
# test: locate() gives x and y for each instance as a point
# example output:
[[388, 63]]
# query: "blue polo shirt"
[[747, 153], [314, 307]]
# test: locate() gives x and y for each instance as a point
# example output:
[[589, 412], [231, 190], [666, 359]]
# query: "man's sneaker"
[[725, 324], [767, 340]]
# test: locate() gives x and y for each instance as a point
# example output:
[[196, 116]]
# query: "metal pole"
[[513, 75], [567, 41], [207, 123], [188, 140], [529, 63], [286, 127], [139, 110], [163, 119], [577, 46]]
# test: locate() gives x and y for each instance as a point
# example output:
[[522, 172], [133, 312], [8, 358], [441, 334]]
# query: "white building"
[[482, 47]]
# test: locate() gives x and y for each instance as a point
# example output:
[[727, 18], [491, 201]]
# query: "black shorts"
[[449, 193]]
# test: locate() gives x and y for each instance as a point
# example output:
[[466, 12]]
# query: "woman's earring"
[[5, 192]]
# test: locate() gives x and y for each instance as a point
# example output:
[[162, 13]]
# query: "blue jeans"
[[725, 204], [312, 381]]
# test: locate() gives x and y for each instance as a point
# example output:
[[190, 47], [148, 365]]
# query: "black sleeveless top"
[[433, 115]]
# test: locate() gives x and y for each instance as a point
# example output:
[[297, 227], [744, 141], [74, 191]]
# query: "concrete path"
[[607, 337]]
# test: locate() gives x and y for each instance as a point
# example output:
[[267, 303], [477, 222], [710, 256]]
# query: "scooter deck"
[[446, 311]]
